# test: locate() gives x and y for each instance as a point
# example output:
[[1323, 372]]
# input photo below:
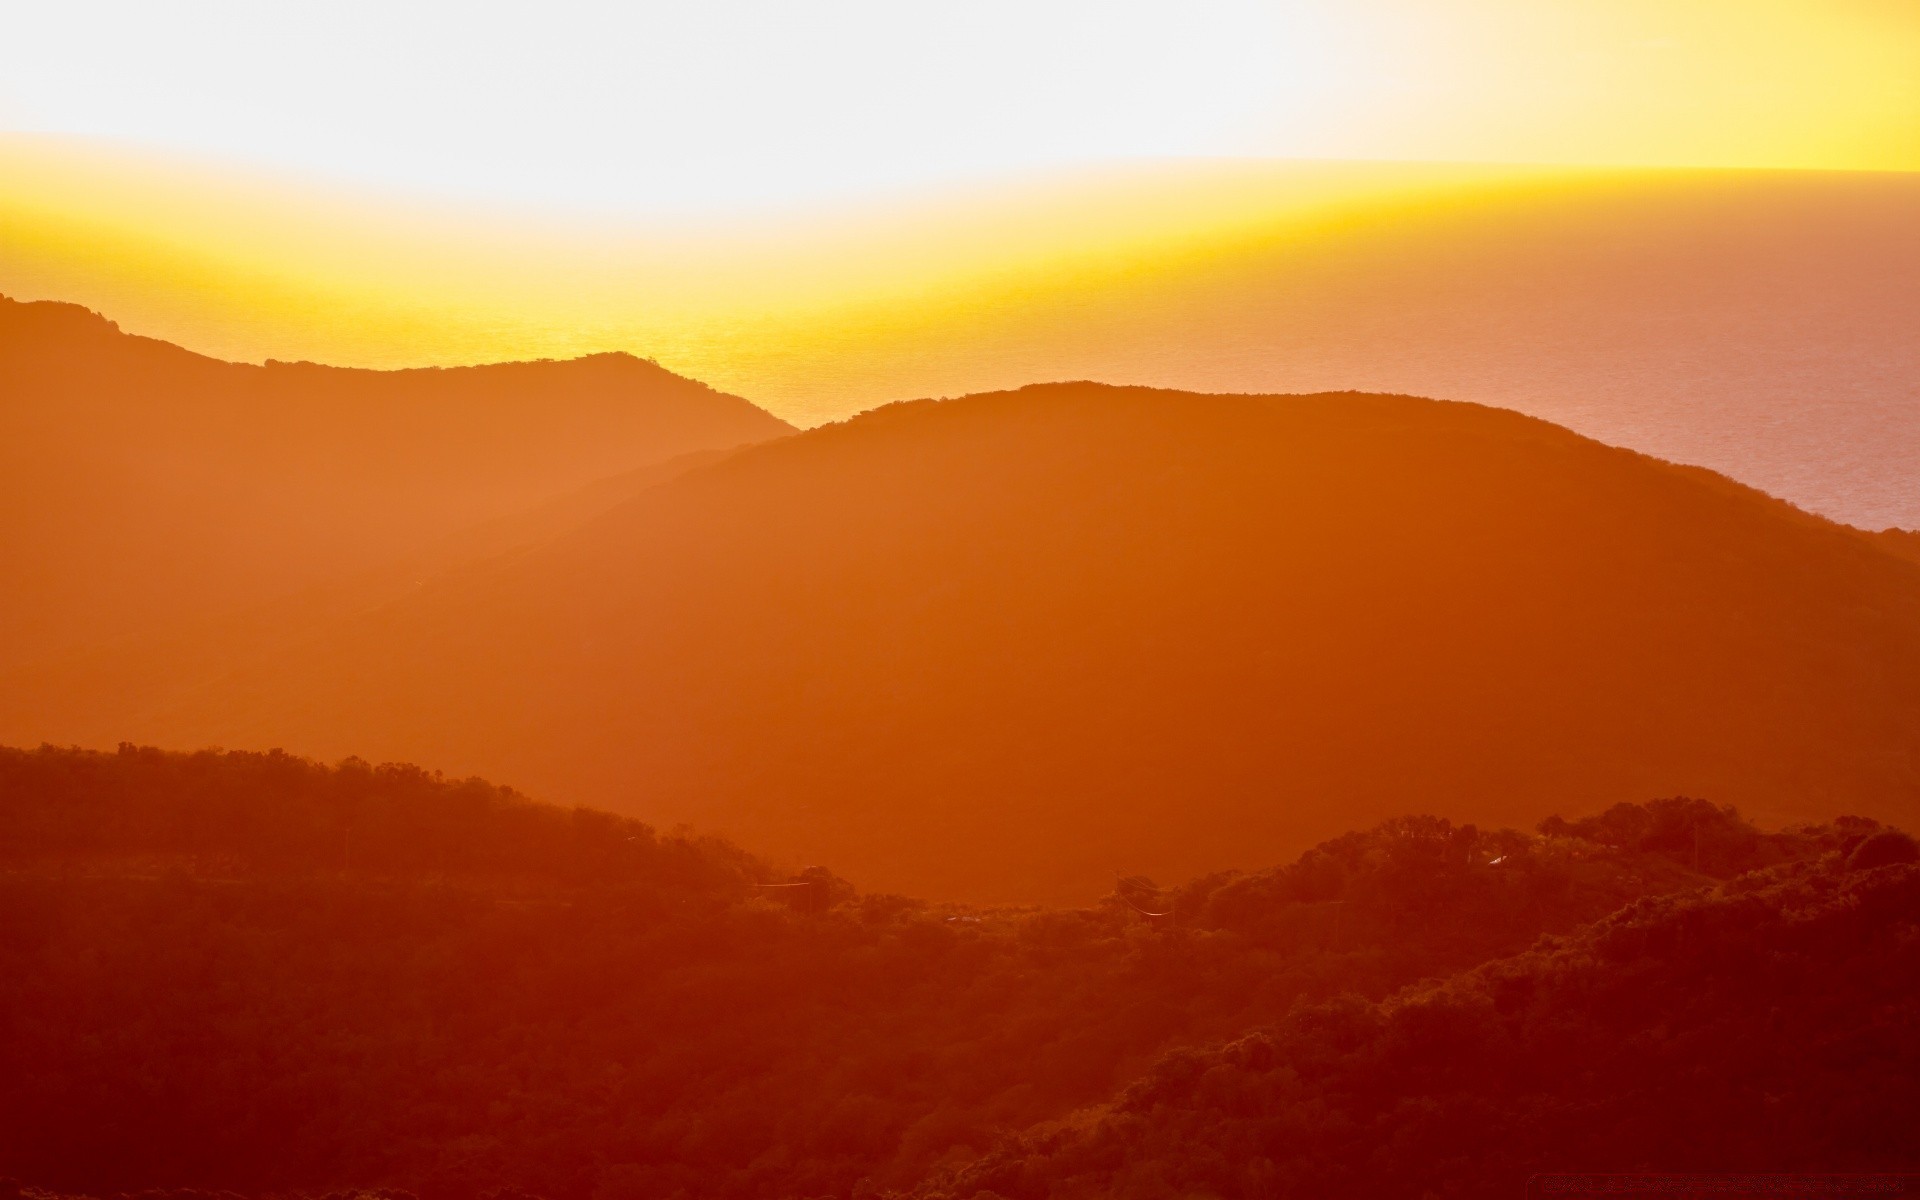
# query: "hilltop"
[[145, 489], [1001, 646]]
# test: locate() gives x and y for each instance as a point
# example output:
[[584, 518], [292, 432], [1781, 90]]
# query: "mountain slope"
[[95, 693], [142, 485], [1006, 645]]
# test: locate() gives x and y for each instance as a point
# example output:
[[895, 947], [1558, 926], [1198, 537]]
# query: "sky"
[[720, 107], [826, 206]]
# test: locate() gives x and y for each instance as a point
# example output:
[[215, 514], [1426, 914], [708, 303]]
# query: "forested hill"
[[991, 648], [1771, 1024], [272, 816], [253, 973]]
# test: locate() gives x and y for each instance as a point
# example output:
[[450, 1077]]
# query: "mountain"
[[1754, 322], [1005, 646], [93, 694], [144, 489], [253, 972], [1757, 322]]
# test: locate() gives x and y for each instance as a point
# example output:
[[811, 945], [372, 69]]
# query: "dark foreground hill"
[[1002, 646], [251, 973], [143, 486], [1767, 1025]]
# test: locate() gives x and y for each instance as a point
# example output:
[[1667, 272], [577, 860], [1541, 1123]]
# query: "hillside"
[[1767, 1025], [144, 488], [251, 972], [96, 693], [1003, 646]]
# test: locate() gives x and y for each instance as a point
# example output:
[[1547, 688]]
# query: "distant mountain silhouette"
[[1755, 322], [143, 486], [1002, 646]]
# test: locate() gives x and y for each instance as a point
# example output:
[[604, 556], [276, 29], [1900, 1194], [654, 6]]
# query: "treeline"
[[201, 989], [230, 813], [1771, 1024]]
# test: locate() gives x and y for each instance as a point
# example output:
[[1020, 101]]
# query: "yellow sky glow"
[[247, 268], [754, 192]]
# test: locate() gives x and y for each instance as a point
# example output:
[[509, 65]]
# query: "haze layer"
[[145, 489], [1754, 322]]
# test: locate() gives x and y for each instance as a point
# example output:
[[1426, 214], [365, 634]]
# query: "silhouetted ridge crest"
[[164, 514], [275, 815]]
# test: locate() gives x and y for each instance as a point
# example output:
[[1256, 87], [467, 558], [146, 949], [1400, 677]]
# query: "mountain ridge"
[[1010, 628], [57, 314], [143, 485]]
